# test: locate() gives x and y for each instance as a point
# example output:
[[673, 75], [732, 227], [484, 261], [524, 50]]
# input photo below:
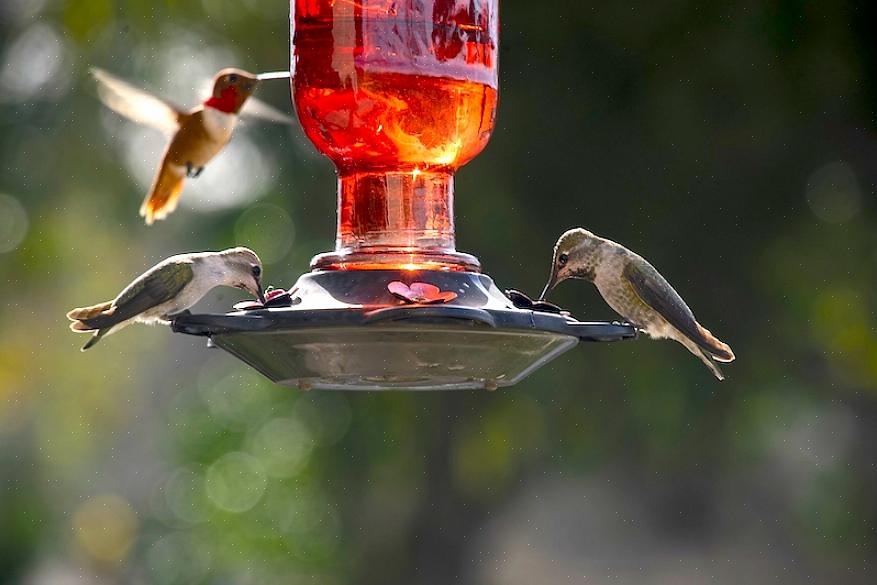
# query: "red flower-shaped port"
[[420, 293], [276, 297]]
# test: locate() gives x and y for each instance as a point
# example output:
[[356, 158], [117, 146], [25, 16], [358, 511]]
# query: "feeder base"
[[345, 331]]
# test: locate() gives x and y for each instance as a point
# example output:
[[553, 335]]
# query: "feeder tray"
[[345, 330]]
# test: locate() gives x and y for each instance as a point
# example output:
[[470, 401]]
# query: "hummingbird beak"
[[273, 75], [259, 292], [552, 282]]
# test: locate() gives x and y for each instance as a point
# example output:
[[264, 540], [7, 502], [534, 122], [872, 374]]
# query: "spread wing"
[[654, 290], [136, 104], [257, 109]]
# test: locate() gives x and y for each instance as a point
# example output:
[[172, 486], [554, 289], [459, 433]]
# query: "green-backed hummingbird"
[[169, 288], [636, 291]]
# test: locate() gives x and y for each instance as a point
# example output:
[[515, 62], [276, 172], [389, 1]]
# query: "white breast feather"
[[219, 125]]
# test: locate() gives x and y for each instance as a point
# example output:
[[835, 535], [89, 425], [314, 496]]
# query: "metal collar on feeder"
[[398, 100]]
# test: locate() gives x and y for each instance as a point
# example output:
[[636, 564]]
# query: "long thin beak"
[[259, 292], [273, 75], [548, 286]]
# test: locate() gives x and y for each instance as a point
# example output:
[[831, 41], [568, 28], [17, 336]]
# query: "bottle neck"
[[396, 219], [397, 209]]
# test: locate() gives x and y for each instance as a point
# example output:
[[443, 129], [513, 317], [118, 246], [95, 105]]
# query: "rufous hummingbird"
[[196, 136]]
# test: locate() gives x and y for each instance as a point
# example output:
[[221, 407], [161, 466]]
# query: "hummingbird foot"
[[192, 172]]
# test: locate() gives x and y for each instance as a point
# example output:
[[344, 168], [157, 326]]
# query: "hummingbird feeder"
[[398, 95]]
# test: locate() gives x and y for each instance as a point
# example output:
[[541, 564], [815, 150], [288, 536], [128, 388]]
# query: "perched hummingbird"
[[196, 136], [636, 291], [169, 288]]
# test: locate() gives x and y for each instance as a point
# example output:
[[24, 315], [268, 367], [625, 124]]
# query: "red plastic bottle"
[[399, 94]]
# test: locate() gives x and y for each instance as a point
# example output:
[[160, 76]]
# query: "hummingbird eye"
[[257, 270], [563, 259], [233, 78]]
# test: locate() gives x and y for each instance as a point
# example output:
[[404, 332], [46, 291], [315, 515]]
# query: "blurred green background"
[[734, 145]]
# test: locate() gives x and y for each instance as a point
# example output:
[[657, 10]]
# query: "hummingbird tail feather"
[[104, 330], [702, 354], [94, 339], [719, 350], [85, 313], [710, 362], [165, 193], [87, 319]]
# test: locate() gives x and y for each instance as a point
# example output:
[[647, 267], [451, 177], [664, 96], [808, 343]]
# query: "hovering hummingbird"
[[636, 291], [169, 288], [196, 136]]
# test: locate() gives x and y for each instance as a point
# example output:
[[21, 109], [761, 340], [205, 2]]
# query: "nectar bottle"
[[398, 94]]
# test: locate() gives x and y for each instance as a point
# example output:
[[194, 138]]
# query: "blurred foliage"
[[732, 145]]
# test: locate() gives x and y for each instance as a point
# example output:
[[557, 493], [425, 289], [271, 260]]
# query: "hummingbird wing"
[[654, 290], [156, 286], [255, 108], [136, 104]]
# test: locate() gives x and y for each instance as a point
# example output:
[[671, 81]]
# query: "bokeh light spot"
[[238, 401], [266, 228], [178, 559], [283, 446], [186, 496], [36, 58], [833, 193], [13, 223], [105, 528], [236, 482]]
